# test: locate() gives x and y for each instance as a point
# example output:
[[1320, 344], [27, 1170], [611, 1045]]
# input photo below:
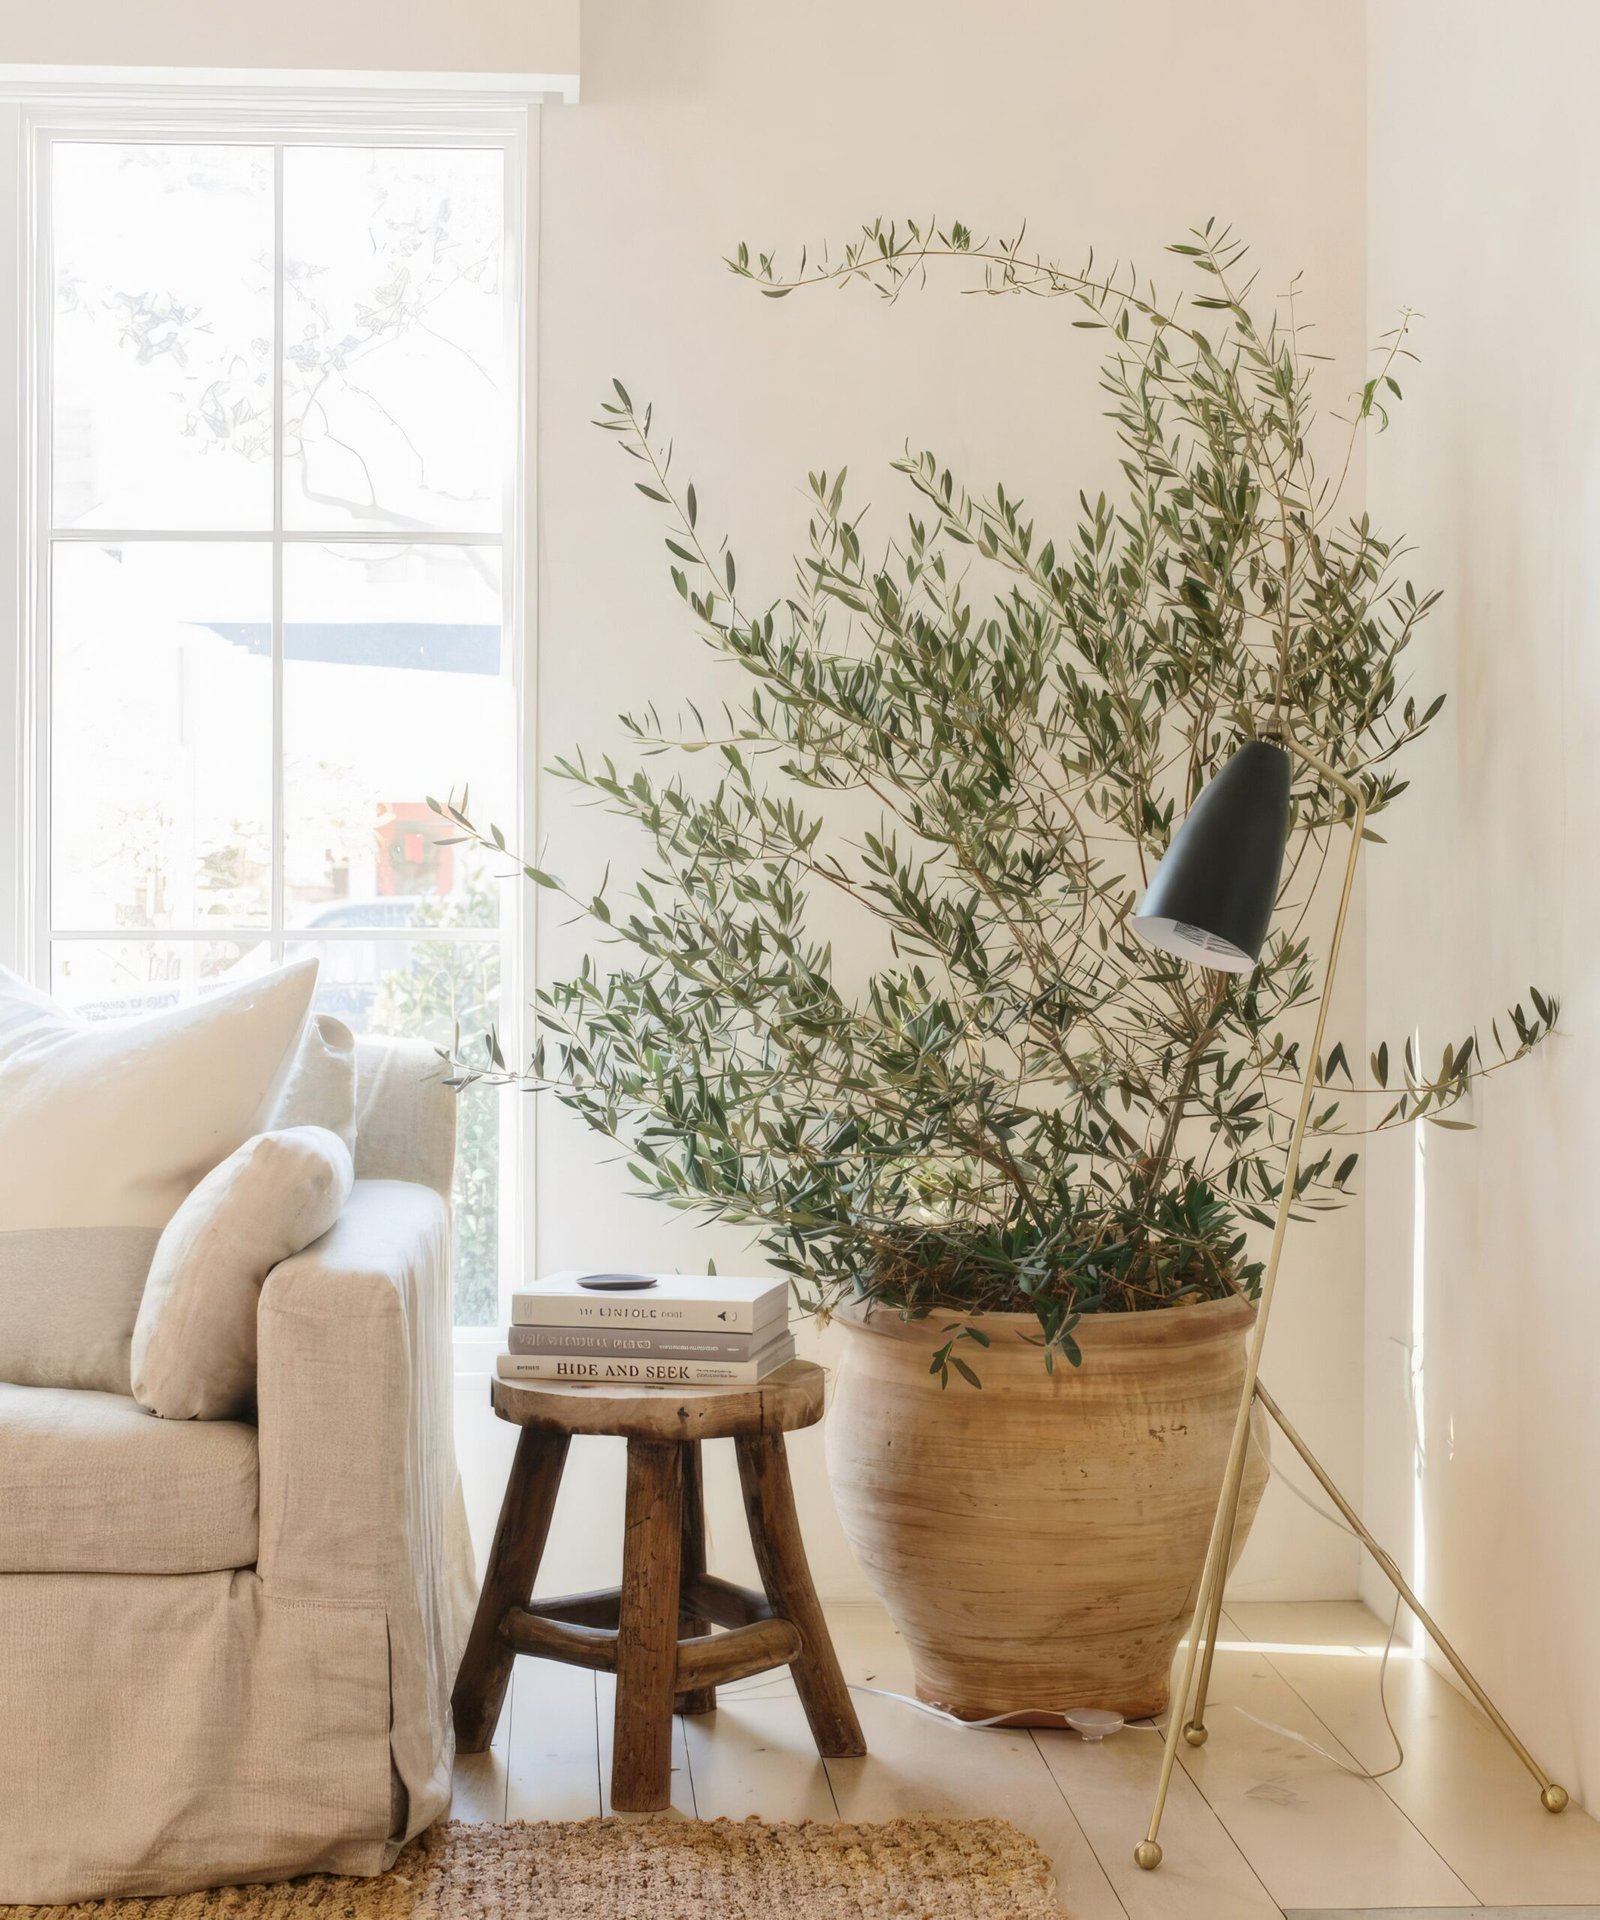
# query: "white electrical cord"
[[1007, 1720], [1360, 1773]]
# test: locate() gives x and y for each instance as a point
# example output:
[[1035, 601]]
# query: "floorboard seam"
[[511, 1717], [1094, 1851], [599, 1777], [1381, 1785], [688, 1763], [827, 1775], [1227, 1831], [1233, 1839]]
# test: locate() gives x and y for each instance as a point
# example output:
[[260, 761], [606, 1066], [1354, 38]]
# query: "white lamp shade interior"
[[1193, 944]]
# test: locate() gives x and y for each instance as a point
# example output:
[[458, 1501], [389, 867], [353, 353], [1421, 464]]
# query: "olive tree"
[[973, 740]]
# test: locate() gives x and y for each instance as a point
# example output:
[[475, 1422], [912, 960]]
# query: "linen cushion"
[[194, 1341], [320, 1090], [104, 1128], [405, 1114], [89, 1483]]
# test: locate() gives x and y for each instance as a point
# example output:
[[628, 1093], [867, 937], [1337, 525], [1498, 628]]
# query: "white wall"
[[1484, 202], [712, 121]]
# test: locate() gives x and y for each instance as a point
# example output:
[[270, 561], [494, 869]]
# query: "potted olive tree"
[[880, 1000]]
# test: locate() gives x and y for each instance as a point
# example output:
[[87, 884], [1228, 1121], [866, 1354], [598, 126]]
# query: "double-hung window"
[[273, 593]]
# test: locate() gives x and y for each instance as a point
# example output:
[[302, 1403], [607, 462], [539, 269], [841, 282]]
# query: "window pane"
[[117, 979], [393, 690], [161, 406], [160, 734], [396, 411], [429, 989]]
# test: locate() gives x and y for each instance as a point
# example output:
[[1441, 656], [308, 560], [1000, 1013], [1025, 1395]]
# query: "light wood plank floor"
[[1260, 1822]]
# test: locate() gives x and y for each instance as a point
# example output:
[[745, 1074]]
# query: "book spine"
[[619, 1343], [639, 1316], [640, 1373]]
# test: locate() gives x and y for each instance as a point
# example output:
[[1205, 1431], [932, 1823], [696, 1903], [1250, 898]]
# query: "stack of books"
[[663, 1329]]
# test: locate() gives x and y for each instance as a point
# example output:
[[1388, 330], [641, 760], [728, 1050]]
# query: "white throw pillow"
[[104, 1129], [194, 1342], [321, 1088]]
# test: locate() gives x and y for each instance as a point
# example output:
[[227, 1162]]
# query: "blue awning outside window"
[[438, 647]]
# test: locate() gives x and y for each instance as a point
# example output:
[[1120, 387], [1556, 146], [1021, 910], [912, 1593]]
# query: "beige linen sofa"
[[227, 1648]]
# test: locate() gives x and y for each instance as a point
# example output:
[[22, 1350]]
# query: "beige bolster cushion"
[[194, 1342]]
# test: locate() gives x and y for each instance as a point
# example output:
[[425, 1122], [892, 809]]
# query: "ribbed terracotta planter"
[[1039, 1541]]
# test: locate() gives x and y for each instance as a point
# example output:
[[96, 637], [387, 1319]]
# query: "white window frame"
[[29, 126]]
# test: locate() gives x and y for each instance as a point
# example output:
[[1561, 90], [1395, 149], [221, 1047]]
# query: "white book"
[[591, 1370], [680, 1302]]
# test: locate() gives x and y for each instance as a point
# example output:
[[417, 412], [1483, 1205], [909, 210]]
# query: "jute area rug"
[[654, 1870]]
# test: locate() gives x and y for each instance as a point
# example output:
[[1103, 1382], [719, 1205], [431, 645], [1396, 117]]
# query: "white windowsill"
[[475, 1350]]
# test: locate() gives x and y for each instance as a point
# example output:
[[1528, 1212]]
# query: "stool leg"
[[519, 1537], [647, 1628], [781, 1557], [701, 1699]]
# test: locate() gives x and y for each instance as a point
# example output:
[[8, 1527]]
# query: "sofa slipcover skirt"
[[166, 1730]]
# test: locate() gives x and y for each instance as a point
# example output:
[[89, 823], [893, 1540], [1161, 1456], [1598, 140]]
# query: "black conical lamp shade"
[[1210, 901]]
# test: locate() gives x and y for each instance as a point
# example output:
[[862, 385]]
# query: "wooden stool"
[[655, 1631]]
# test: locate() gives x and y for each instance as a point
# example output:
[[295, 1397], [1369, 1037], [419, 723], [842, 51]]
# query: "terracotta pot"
[[1038, 1541]]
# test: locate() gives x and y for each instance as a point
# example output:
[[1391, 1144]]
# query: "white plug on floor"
[[1094, 1723]]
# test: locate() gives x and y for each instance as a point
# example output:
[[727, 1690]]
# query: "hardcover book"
[[645, 1343], [678, 1302], [598, 1370]]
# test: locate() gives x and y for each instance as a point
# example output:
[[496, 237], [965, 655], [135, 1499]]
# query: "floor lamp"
[[1210, 902]]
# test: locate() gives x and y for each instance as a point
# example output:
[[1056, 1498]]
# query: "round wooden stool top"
[[785, 1401]]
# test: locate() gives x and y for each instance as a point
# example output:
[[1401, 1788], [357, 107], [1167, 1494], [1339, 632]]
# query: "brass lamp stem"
[[1148, 1852]]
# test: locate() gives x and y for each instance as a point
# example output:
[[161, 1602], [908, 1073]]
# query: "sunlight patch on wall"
[[1419, 1297]]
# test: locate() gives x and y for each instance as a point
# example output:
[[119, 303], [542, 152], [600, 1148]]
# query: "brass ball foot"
[[1148, 1854], [1195, 1734], [1554, 1798]]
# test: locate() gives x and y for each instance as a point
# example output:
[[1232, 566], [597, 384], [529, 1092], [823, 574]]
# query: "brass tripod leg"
[[1551, 1794]]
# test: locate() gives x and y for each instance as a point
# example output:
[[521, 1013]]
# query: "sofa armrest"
[[361, 1502], [405, 1114], [354, 1386]]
